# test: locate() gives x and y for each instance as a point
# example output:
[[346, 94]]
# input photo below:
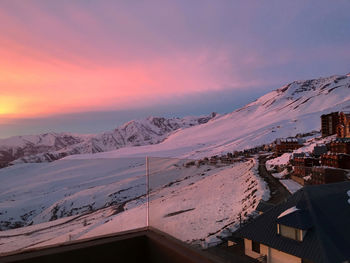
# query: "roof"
[[298, 155], [341, 140], [323, 210], [264, 206], [299, 218], [331, 113]]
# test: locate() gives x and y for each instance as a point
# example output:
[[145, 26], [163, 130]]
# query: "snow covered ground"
[[293, 109], [281, 174], [195, 204], [202, 206], [291, 185], [36, 193], [105, 192]]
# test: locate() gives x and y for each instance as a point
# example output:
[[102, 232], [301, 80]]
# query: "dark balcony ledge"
[[139, 245]]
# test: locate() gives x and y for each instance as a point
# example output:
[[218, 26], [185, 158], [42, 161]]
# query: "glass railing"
[[66, 200], [202, 201], [197, 201]]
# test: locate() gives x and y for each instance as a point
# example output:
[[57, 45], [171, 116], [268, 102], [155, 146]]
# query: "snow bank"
[[291, 185], [281, 174], [279, 161]]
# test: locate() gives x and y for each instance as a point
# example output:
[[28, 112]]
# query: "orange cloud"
[[40, 87]]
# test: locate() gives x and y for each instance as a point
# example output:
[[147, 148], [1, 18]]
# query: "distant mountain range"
[[294, 108], [53, 146], [87, 181]]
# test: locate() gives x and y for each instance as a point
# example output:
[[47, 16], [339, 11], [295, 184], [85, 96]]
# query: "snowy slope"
[[54, 146], [35, 193], [193, 204], [19, 146], [109, 193], [292, 109]]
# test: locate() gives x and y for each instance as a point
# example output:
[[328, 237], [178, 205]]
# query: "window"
[[290, 232], [256, 247]]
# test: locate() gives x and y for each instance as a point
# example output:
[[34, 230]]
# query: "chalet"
[[329, 123], [287, 145], [336, 160], [312, 225], [326, 175], [343, 127]]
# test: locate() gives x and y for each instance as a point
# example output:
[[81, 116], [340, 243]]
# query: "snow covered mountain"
[[104, 191], [19, 146], [54, 146], [292, 109]]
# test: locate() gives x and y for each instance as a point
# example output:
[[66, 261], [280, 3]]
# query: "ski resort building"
[[326, 175], [300, 162], [329, 123], [336, 160], [340, 145], [287, 145], [310, 226], [302, 166], [343, 127], [319, 150]]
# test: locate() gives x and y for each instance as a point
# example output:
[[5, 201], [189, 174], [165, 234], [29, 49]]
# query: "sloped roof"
[[323, 210], [263, 206]]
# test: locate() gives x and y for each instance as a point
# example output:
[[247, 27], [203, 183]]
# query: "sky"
[[87, 66]]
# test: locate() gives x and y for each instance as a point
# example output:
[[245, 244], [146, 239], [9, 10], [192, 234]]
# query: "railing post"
[[147, 190]]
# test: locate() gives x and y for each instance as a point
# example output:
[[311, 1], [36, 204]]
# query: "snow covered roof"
[[288, 211]]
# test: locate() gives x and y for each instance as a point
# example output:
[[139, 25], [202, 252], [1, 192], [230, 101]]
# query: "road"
[[277, 190]]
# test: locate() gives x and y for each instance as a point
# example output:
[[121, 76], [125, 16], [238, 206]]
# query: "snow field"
[[196, 205]]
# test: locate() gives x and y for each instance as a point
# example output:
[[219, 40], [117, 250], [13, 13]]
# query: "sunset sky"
[[87, 66]]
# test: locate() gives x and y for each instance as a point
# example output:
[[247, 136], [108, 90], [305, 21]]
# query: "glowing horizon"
[[62, 57]]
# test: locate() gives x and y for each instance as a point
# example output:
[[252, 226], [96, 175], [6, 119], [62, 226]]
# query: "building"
[[226, 160], [310, 226], [213, 160], [263, 207], [343, 127], [319, 150], [326, 175], [340, 145], [329, 124], [336, 160], [297, 155], [302, 167], [287, 145]]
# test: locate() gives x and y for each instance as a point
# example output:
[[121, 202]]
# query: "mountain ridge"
[[53, 146], [294, 108], [285, 112]]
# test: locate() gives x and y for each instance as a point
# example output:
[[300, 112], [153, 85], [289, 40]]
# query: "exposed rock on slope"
[[293, 109], [54, 146]]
